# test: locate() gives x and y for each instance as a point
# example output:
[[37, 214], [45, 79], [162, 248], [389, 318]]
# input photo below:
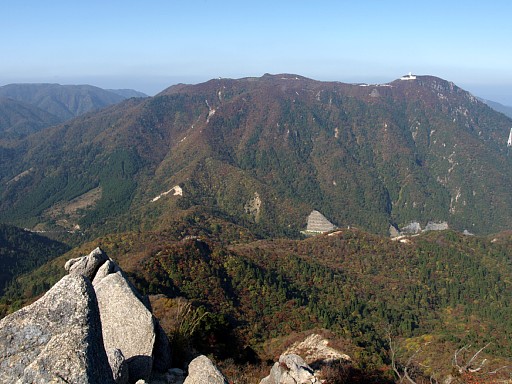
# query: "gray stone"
[[118, 366], [127, 324], [253, 207], [106, 268], [433, 226], [86, 265], [202, 371], [316, 350], [56, 339], [274, 376], [291, 369], [412, 228], [393, 231], [298, 370], [374, 93]]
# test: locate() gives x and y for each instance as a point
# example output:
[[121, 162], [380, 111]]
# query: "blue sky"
[[149, 45]]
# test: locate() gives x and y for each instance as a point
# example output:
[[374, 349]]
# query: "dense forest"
[[22, 251], [442, 290]]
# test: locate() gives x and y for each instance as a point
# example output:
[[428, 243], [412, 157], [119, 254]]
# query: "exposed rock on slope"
[[202, 371], [56, 339], [64, 336], [318, 223], [291, 369], [126, 323], [315, 348], [126, 319]]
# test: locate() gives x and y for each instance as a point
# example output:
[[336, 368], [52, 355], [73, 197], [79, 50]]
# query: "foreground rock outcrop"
[[127, 323], [202, 371], [57, 339], [86, 265], [118, 366], [315, 350], [92, 327], [291, 369], [83, 332]]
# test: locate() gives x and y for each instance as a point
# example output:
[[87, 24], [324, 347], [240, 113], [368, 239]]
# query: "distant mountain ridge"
[[505, 109], [28, 108], [127, 93], [18, 118], [363, 155], [63, 101]]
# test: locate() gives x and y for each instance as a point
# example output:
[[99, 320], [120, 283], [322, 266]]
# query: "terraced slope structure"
[[318, 223]]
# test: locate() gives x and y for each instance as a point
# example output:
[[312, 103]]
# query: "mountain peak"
[[363, 155]]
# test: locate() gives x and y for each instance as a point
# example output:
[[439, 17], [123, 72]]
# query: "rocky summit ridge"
[[56, 339], [91, 327]]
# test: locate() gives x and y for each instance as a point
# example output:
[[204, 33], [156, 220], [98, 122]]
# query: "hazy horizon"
[[149, 47]]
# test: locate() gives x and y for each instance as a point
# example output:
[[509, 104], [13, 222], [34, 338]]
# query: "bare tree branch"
[[456, 357], [497, 370], [476, 355], [405, 375]]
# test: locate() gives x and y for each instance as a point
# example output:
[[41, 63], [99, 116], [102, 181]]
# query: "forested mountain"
[[18, 119], [127, 93], [199, 193], [265, 152], [63, 101]]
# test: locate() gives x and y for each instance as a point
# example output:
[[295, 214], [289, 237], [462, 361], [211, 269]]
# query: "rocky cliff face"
[[82, 332], [56, 339]]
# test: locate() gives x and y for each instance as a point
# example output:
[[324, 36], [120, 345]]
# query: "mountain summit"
[[265, 152]]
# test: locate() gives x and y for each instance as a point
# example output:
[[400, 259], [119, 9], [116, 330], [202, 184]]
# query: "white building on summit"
[[409, 76], [318, 223]]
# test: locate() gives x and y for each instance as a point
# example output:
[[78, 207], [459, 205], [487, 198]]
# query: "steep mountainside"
[[18, 119], [22, 251], [265, 152], [63, 101]]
